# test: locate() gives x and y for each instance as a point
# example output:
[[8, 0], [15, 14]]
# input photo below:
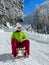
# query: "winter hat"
[[18, 25]]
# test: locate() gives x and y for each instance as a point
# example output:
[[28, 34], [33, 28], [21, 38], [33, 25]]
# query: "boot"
[[15, 55], [26, 55]]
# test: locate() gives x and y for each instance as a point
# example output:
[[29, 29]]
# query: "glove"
[[19, 41]]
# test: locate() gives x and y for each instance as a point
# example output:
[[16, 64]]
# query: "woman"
[[19, 40]]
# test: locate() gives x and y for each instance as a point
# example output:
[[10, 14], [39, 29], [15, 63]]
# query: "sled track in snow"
[[38, 41]]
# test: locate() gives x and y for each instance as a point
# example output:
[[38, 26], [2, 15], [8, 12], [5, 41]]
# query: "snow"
[[39, 49], [38, 37]]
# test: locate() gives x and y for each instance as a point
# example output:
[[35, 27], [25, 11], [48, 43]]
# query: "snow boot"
[[26, 55]]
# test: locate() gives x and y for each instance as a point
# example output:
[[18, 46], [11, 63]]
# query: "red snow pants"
[[15, 44]]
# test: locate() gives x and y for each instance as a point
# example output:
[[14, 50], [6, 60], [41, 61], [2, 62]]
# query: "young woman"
[[19, 40]]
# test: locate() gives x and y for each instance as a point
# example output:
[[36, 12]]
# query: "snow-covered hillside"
[[39, 49]]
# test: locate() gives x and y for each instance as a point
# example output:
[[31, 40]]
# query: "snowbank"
[[38, 37]]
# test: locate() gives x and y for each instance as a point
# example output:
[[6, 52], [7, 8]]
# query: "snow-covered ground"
[[39, 49]]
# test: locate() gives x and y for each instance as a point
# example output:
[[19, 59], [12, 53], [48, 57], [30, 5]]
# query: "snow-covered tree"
[[11, 11]]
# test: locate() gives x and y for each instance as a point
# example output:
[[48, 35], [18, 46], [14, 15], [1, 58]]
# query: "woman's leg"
[[14, 46], [26, 44]]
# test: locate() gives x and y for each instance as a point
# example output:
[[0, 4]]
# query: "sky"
[[29, 5]]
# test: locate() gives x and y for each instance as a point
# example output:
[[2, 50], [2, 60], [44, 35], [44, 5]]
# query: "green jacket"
[[19, 36]]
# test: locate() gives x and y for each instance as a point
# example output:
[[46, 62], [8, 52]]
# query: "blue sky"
[[29, 5]]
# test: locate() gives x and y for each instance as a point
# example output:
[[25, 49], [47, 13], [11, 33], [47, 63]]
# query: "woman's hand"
[[19, 41]]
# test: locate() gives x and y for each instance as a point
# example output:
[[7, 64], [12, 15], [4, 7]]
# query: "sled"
[[20, 54], [21, 51]]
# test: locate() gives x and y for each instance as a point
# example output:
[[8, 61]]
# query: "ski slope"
[[39, 49]]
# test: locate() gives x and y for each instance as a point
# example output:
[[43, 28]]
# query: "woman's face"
[[19, 28]]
